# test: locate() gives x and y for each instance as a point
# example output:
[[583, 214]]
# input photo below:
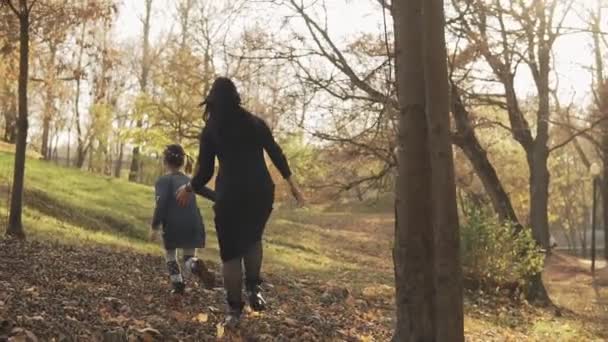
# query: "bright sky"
[[573, 53]]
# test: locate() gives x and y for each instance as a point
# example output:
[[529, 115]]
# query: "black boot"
[[254, 295], [178, 288], [233, 314]]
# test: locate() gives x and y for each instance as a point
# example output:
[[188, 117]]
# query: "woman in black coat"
[[244, 188]]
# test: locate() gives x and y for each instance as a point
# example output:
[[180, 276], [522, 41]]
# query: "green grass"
[[78, 207]]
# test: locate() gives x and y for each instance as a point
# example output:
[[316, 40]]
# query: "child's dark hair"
[[174, 155]]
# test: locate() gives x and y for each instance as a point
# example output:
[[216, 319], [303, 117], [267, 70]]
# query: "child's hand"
[[153, 235]]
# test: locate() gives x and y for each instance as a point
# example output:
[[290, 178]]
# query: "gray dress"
[[182, 227]]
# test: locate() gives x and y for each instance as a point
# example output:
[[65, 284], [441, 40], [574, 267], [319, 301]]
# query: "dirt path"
[[572, 287]]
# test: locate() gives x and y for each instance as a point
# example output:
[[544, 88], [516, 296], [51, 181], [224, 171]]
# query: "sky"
[[573, 53]]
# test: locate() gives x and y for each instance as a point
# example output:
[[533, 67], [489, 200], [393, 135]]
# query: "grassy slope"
[[351, 249]]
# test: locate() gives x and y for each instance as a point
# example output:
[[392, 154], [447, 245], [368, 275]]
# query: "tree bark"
[[467, 141], [134, 170], [413, 251], [602, 88], [10, 120], [48, 105], [449, 315], [118, 166], [15, 225]]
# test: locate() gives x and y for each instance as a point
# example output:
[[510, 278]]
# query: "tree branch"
[[9, 3]]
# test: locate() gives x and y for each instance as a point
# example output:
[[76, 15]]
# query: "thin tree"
[[22, 11], [135, 168]]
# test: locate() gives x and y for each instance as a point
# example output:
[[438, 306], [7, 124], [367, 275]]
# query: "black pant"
[[233, 273]]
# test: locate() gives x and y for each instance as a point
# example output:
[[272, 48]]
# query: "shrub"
[[492, 254]]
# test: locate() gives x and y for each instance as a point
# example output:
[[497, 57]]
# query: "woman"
[[244, 189]]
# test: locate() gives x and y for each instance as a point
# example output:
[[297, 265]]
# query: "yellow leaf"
[[201, 318]]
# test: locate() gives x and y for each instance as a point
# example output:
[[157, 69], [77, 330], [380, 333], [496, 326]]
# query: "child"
[[182, 227]]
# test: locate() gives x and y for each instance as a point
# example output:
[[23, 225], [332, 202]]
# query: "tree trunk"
[[48, 104], [15, 226], [449, 315], [118, 167], [539, 198], [466, 139], [413, 251], [10, 121], [134, 171]]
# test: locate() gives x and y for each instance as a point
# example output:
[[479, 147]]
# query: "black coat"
[[182, 227], [244, 187]]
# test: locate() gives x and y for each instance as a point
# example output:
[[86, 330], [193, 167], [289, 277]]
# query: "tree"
[[22, 11], [500, 32], [426, 252], [146, 64], [414, 250], [449, 316]]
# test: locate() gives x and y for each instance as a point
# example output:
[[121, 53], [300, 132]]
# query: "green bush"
[[493, 254]]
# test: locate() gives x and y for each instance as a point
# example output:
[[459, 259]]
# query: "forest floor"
[[87, 273]]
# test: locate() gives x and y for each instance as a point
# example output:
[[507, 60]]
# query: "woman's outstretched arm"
[[274, 150], [279, 160]]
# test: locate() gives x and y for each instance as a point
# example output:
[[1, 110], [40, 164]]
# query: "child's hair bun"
[[174, 155]]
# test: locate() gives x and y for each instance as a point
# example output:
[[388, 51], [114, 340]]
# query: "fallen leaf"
[[178, 316], [201, 318], [219, 330]]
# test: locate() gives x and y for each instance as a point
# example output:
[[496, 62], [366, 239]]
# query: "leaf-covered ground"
[[69, 293]]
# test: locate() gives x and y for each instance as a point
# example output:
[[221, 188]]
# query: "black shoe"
[[178, 288], [254, 295], [233, 314]]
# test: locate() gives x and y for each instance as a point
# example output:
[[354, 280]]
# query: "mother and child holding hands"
[[243, 196]]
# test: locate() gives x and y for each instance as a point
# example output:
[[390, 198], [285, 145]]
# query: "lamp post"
[[595, 172]]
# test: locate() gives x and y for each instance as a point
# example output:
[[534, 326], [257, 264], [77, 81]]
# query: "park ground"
[[87, 272]]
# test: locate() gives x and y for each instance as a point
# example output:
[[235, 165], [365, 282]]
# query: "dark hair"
[[223, 99], [174, 155]]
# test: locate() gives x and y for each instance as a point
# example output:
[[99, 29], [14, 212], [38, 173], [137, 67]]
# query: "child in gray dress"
[[182, 227]]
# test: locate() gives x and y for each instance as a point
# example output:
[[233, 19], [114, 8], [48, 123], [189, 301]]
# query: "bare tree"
[[146, 64], [22, 11]]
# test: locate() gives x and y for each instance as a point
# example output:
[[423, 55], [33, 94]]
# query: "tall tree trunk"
[[15, 225], [467, 141], [10, 120], [602, 90], [413, 251], [449, 315], [118, 166], [48, 103], [134, 170], [80, 148], [68, 156]]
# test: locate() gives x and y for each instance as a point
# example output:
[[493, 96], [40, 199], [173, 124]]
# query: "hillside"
[[87, 273]]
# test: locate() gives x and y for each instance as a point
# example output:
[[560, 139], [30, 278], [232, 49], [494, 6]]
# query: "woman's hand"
[[295, 191], [183, 195]]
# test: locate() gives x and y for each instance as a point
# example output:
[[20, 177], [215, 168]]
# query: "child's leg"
[[174, 272]]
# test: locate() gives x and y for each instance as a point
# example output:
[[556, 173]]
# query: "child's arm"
[[162, 196], [207, 193]]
